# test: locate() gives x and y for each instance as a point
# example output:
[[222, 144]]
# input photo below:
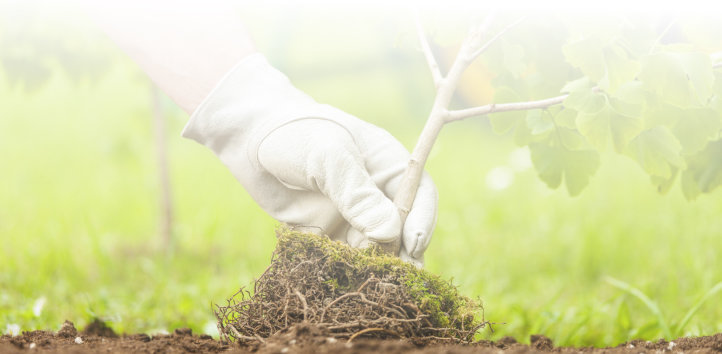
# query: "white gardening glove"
[[309, 164]]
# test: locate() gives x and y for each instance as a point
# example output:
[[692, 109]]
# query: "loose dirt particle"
[[67, 330], [184, 332], [540, 342], [100, 329]]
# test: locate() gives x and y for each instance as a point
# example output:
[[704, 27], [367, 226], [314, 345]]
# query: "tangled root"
[[346, 293]]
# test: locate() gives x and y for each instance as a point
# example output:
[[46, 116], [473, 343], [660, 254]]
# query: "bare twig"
[[412, 176], [495, 38], [661, 36], [502, 107], [428, 54]]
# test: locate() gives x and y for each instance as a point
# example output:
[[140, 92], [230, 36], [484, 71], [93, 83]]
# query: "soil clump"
[[347, 294]]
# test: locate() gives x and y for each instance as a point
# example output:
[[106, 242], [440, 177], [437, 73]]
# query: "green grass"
[[78, 214]]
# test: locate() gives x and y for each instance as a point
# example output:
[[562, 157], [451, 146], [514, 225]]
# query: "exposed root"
[[346, 293]]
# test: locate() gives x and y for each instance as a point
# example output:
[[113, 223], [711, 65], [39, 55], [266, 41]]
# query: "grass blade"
[[651, 305], [688, 316]]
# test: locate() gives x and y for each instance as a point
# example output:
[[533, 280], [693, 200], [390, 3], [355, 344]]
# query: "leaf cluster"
[[650, 92]]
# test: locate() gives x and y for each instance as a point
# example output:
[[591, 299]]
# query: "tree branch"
[[502, 107], [428, 54], [495, 38], [470, 48]]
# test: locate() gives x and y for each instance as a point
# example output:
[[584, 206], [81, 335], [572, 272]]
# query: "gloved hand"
[[309, 164]]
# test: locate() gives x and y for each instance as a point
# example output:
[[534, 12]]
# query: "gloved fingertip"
[[416, 241], [418, 262], [386, 231], [355, 238]]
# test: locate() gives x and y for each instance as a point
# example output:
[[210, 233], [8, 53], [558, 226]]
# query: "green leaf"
[[662, 114], [704, 171], [716, 101], [571, 139], [631, 93], [682, 79], [610, 124], [539, 121], [619, 69], [696, 127], [583, 84], [586, 101], [587, 55], [664, 184], [567, 118], [504, 122], [555, 162], [657, 151]]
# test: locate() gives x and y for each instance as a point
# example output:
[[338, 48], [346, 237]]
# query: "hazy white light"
[[520, 159], [12, 329], [38, 306], [211, 328], [499, 178]]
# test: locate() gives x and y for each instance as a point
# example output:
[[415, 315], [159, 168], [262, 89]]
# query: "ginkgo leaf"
[[587, 55], [631, 93], [618, 69], [665, 184], [577, 85], [682, 79], [539, 121], [607, 125], [586, 101], [704, 171], [554, 163], [566, 118], [657, 151], [571, 139], [696, 127]]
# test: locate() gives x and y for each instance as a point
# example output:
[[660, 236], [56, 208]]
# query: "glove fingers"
[[321, 155], [387, 160]]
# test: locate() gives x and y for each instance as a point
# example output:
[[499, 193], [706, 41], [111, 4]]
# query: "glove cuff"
[[252, 99]]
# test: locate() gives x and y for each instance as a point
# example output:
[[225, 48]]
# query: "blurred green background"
[[79, 194]]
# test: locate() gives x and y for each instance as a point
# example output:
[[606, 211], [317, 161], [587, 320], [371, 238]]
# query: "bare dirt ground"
[[304, 338], [320, 296]]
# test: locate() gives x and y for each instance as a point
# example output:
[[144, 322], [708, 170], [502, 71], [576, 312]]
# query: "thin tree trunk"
[[165, 222]]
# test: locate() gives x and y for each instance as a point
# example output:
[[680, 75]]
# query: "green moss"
[[346, 268]]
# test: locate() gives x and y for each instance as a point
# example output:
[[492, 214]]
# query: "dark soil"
[[304, 338]]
